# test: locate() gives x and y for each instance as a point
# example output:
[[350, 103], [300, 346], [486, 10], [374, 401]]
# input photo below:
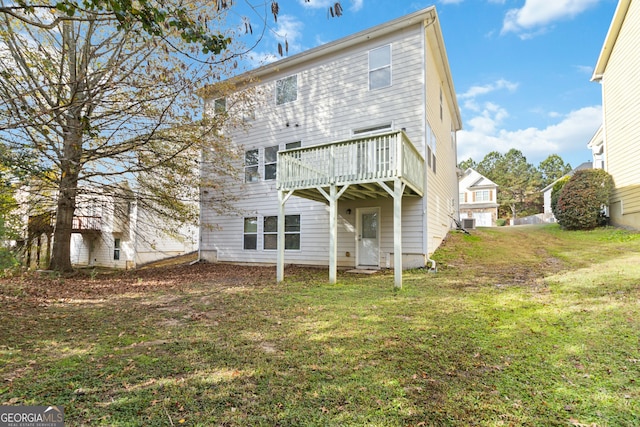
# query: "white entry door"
[[368, 237]]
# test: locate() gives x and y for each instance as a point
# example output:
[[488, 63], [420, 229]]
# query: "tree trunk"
[[70, 162], [61, 253]]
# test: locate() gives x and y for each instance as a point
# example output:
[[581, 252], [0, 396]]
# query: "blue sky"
[[521, 68]]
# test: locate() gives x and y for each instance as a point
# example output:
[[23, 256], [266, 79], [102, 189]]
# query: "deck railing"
[[360, 160], [86, 223]]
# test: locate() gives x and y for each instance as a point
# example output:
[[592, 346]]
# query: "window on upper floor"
[[220, 106], [373, 130], [116, 249], [380, 67], [291, 232], [251, 161], [270, 162], [462, 197], [292, 145], [264, 162], [432, 144], [482, 196], [286, 90], [250, 235]]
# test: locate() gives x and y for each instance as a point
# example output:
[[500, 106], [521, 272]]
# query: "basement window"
[[291, 232], [251, 233]]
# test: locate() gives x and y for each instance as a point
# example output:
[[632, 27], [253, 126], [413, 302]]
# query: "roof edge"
[[424, 15], [610, 39]]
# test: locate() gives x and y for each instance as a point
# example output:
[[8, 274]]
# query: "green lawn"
[[520, 326]]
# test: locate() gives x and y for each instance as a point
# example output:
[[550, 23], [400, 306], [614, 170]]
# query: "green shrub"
[[501, 222], [555, 193], [581, 200], [7, 261]]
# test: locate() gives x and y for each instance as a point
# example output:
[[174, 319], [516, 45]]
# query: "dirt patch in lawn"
[[44, 287]]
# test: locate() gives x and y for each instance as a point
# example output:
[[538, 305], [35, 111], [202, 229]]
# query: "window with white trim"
[[482, 196], [432, 144], [462, 197], [250, 233], [270, 162], [380, 67], [286, 90], [291, 232], [116, 249], [292, 145], [251, 162], [220, 106], [373, 130]]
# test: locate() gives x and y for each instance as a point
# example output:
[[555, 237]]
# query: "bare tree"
[[90, 102]]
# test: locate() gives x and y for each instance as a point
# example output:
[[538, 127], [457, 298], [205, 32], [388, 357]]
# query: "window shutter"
[[490, 196], [474, 196], [466, 197]]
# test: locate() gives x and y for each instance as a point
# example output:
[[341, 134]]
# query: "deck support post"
[[396, 193], [332, 197], [397, 234], [282, 199]]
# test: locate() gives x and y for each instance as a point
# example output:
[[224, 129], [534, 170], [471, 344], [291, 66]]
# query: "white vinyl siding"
[[442, 185], [327, 110], [621, 91]]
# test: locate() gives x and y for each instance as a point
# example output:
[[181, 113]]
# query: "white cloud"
[[290, 28], [356, 5], [475, 91], [536, 15], [567, 138]]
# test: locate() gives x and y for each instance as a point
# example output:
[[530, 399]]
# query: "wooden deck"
[[361, 163]]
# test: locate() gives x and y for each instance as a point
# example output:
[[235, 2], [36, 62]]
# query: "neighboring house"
[[619, 153], [596, 145], [109, 231], [478, 195], [350, 159], [547, 215]]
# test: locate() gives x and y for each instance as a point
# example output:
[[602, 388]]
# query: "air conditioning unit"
[[468, 223]]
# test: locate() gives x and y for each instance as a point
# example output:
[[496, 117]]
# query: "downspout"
[[200, 197], [425, 127], [605, 157], [133, 224]]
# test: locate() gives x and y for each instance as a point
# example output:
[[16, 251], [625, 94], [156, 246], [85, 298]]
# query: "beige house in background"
[[618, 149], [478, 195]]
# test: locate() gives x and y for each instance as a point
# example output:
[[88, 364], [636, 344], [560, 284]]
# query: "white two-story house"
[[478, 199], [111, 228], [349, 157]]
